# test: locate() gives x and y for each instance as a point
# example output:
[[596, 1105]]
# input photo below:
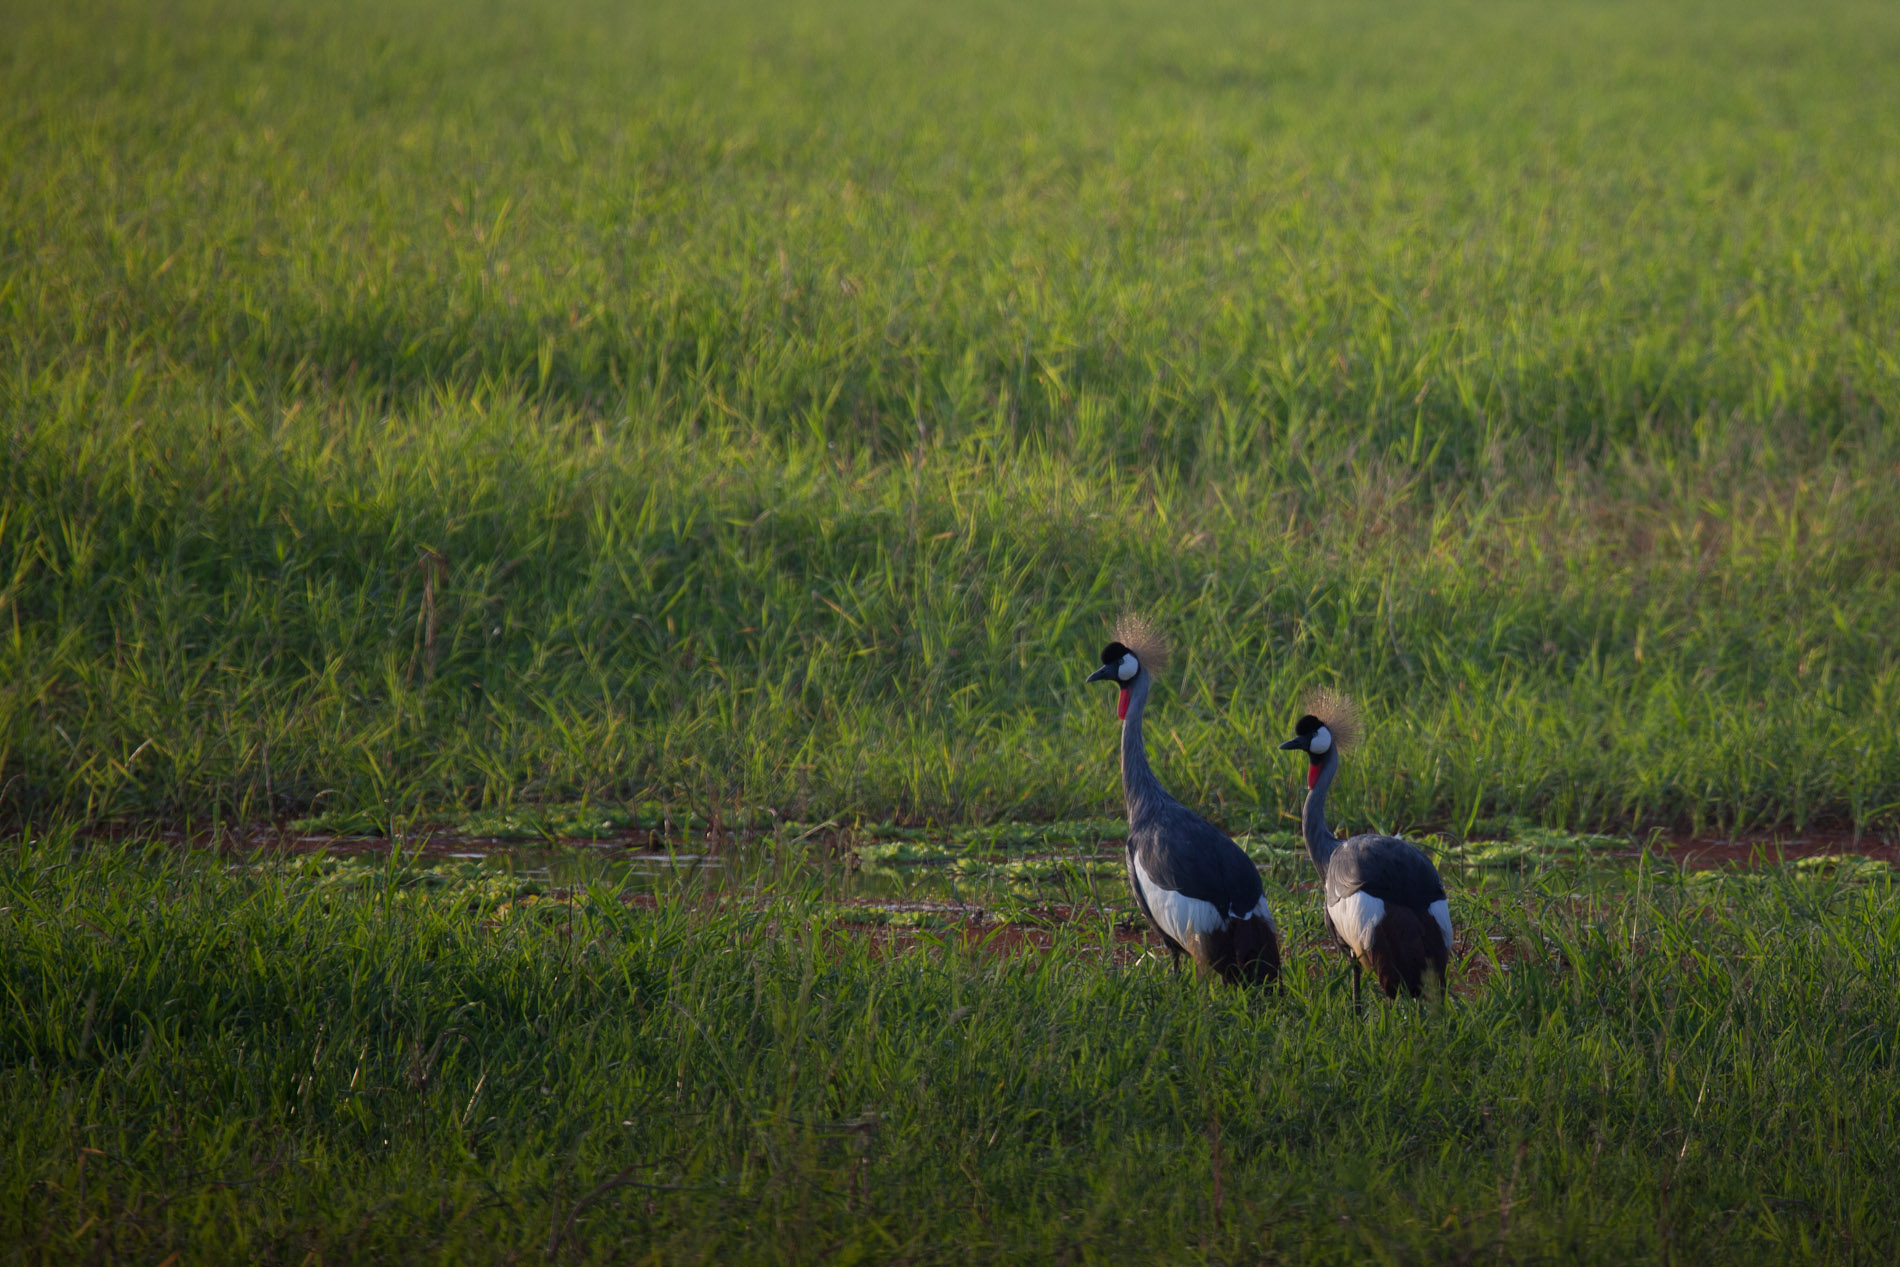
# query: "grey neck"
[[1139, 789], [1320, 841]]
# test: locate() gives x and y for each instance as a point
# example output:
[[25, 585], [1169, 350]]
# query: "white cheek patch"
[[1321, 742], [1127, 668], [1441, 911], [1355, 917]]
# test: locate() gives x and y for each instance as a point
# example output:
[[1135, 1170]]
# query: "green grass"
[[251, 1064], [415, 409], [542, 419]]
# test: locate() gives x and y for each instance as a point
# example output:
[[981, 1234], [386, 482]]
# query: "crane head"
[[1139, 647], [1313, 737], [1121, 666]]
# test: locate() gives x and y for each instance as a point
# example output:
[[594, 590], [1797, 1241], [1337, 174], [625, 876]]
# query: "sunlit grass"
[[414, 409], [543, 420]]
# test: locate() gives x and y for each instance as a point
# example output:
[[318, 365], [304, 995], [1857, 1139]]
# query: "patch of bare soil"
[[1703, 853]]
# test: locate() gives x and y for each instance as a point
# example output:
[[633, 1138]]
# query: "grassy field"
[[418, 408], [534, 418], [245, 1065]]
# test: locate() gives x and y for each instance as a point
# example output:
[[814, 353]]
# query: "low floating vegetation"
[[1835, 868], [1021, 853], [944, 884], [547, 823]]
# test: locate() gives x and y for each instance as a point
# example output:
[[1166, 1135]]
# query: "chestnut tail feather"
[[1406, 947]]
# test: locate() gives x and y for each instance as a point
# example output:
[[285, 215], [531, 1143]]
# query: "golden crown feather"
[[1143, 636], [1339, 714]]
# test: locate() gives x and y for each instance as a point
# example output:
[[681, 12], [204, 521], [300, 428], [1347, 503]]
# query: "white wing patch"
[[1355, 917], [1260, 909], [1441, 911], [1181, 917]]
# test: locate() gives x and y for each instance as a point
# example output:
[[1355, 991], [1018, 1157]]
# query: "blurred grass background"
[[419, 405]]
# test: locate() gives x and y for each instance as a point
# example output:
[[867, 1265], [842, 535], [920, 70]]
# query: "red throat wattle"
[[1312, 775], [1121, 708]]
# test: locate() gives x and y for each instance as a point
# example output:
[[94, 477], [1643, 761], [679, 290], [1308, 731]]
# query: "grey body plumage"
[[1196, 887], [1385, 903]]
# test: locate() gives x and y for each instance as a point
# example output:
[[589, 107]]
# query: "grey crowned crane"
[[1385, 904], [1195, 885]]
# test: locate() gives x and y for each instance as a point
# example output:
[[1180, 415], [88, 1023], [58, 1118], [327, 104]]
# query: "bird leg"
[[1355, 984], [1175, 953]]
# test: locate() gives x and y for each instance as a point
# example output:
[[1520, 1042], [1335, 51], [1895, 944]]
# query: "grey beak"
[[1295, 742], [1103, 674]]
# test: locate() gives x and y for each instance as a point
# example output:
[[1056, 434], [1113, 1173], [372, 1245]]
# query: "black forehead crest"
[[1113, 653], [1306, 725]]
